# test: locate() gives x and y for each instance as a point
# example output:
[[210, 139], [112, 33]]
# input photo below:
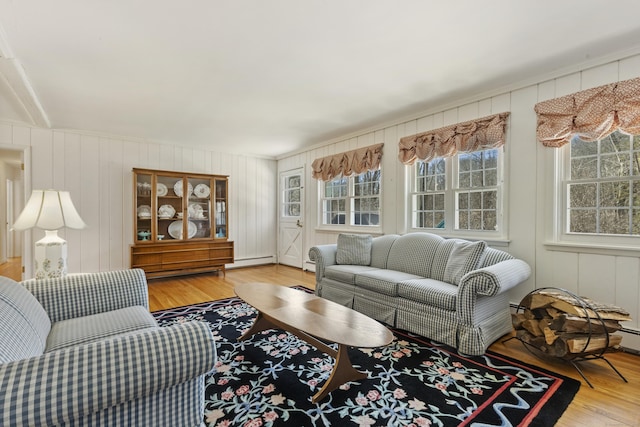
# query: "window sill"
[[363, 229], [592, 248]]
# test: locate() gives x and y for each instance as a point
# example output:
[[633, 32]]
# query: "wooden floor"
[[611, 402]]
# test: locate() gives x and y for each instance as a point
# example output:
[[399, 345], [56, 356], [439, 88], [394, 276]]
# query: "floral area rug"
[[269, 380]]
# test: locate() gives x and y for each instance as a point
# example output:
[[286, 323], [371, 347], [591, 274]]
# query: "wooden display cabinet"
[[180, 223]]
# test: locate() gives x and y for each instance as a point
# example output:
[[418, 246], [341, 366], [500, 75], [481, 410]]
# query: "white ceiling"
[[273, 76]]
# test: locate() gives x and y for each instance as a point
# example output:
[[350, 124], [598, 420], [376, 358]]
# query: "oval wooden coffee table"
[[313, 319]]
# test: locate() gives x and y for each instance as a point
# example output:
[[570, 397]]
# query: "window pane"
[[490, 221], [463, 201], [614, 221], [491, 177], [463, 220], [636, 221], [464, 162], [580, 148], [475, 220], [583, 221], [635, 163], [584, 167], [614, 165], [636, 193], [615, 143], [292, 182], [292, 210], [476, 160], [489, 200], [491, 159], [614, 194], [477, 179], [464, 180], [583, 195], [475, 200]]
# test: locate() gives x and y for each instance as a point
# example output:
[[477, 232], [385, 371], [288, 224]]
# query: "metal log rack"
[[581, 356]]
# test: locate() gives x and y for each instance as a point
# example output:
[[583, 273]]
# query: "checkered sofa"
[[85, 351], [450, 290]]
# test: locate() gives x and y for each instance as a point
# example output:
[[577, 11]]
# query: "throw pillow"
[[464, 257], [354, 249]]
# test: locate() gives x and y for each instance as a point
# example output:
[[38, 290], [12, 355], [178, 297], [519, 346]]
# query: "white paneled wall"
[[97, 172], [601, 274]]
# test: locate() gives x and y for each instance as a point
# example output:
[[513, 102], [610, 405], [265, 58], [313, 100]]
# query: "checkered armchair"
[[85, 351]]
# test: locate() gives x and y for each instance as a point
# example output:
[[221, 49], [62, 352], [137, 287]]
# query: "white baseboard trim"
[[310, 266], [250, 262]]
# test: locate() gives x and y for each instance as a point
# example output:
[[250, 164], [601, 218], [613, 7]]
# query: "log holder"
[[579, 357]]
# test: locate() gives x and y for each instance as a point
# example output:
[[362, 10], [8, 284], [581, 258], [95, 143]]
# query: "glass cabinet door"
[[170, 207], [143, 202], [220, 208], [199, 207]]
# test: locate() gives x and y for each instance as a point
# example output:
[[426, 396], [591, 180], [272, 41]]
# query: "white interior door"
[[291, 215]]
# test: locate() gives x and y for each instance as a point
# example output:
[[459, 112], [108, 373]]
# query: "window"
[[458, 193], [352, 201], [602, 186], [428, 200], [291, 196], [477, 192]]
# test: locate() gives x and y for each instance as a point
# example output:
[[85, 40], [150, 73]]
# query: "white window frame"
[[350, 198], [450, 204], [562, 233]]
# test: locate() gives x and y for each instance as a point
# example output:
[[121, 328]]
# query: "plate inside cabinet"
[[166, 211], [177, 188], [202, 191], [161, 189], [195, 211], [175, 229], [144, 211]]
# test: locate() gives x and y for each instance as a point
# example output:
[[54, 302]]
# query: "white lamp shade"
[[49, 210]]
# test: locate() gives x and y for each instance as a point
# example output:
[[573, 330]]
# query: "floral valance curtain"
[[347, 163], [474, 135], [591, 114]]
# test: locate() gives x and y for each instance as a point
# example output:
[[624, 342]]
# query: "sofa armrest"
[[84, 294], [490, 281], [323, 256], [64, 385]]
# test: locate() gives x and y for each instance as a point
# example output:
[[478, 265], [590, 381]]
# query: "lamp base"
[[51, 256]]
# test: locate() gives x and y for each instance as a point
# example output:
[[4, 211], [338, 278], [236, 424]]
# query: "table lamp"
[[49, 210]]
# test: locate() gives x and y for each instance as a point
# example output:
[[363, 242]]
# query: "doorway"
[[12, 194], [291, 217]]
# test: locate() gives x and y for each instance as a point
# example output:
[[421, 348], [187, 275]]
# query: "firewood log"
[[568, 323], [569, 305]]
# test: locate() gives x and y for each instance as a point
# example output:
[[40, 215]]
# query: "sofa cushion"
[[429, 291], [24, 323], [441, 257], [380, 247], [354, 249], [464, 257], [345, 273], [383, 281], [493, 256], [414, 253], [82, 330]]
